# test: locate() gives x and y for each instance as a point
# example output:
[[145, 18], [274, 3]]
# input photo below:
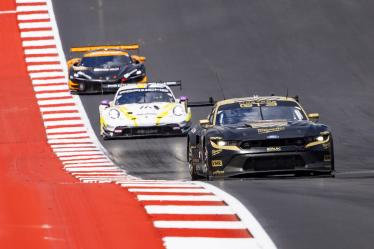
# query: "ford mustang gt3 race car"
[[259, 135], [104, 68], [144, 109]]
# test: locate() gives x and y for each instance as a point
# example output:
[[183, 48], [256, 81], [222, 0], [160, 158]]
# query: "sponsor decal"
[[216, 152], [269, 130], [272, 137], [273, 149], [216, 163], [218, 172], [98, 69]]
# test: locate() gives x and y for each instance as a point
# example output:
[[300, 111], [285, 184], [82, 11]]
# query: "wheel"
[[209, 174], [191, 164]]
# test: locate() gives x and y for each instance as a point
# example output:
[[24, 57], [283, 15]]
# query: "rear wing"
[[168, 83], [84, 49]]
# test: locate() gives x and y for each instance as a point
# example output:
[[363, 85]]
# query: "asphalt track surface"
[[320, 50]]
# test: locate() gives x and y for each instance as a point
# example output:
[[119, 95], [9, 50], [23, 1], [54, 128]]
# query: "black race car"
[[259, 135], [105, 68]]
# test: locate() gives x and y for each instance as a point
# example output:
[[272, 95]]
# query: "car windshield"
[[138, 96], [245, 112], [105, 61]]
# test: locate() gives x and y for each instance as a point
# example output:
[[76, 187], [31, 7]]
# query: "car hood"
[[272, 129], [148, 109], [112, 73]]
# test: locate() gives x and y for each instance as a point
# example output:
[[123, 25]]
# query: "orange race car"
[[105, 68]]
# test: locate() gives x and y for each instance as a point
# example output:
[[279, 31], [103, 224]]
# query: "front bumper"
[[288, 160], [147, 131]]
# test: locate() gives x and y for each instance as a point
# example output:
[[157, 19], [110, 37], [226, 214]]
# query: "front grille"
[[273, 163], [141, 131], [273, 143]]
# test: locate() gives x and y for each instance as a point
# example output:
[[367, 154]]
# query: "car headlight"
[[178, 110], [227, 143], [114, 114]]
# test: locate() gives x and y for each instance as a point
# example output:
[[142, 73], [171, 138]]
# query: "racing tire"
[[191, 164], [206, 161]]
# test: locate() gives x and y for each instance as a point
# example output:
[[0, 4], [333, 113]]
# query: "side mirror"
[[105, 103], [313, 116], [204, 122]]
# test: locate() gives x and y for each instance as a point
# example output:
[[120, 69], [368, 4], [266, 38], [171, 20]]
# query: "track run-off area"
[[61, 187]]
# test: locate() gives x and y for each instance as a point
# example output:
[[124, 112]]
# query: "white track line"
[[200, 224], [28, 17], [178, 198], [30, 25], [216, 243], [34, 34], [171, 209], [169, 190]]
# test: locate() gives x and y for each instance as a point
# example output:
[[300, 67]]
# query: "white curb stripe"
[[68, 158], [46, 74], [78, 153], [30, 25], [200, 224], [77, 145], [67, 140], [64, 130], [34, 34], [50, 88], [42, 59], [216, 243], [178, 198], [30, 1], [85, 169], [62, 108], [86, 165], [74, 149], [52, 95], [56, 102], [169, 190], [44, 67], [160, 185], [86, 161], [160, 209], [28, 8], [32, 17], [63, 122], [41, 51], [38, 43], [74, 135]]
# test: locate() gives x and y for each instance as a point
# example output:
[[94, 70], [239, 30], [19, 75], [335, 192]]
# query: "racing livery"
[[259, 135], [144, 109], [104, 68]]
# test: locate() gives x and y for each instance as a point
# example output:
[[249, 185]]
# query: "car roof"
[[255, 98]]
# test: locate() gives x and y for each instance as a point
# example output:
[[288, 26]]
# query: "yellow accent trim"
[[105, 53], [166, 109], [189, 115], [102, 124], [216, 146], [90, 48], [317, 142], [141, 85], [128, 115], [138, 58], [144, 80]]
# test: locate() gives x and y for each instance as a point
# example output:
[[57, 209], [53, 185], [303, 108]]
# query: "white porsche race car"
[[144, 109]]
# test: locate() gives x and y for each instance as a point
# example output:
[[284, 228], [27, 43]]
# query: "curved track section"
[[319, 50]]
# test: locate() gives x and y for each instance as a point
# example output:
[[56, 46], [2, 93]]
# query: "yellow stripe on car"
[[128, 115], [317, 142], [218, 147], [165, 111]]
